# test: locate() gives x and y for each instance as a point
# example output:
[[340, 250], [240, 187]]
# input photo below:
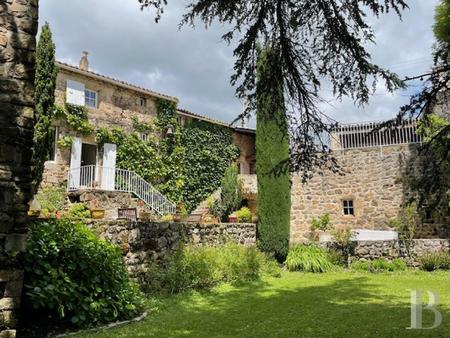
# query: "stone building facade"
[[370, 179], [18, 27]]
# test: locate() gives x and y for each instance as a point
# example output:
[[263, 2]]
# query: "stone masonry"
[[18, 28], [370, 250], [372, 178], [146, 243]]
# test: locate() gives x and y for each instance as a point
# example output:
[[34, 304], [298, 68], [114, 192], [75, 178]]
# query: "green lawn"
[[338, 304]]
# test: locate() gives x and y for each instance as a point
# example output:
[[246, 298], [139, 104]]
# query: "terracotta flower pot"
[[97, 213], [232, 218]]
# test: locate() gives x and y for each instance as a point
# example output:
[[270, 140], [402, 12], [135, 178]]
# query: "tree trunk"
[[18, 28]]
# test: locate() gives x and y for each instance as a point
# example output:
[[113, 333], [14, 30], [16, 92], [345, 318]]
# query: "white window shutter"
[[75, 93], [75, 164], [109, 166]]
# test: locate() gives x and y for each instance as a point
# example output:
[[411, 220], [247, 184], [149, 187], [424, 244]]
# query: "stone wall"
[[372, 178], [370, 250], [18, 27], [111, 201], [145, 243]]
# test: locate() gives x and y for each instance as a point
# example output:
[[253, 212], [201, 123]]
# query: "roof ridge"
[[118, 81]]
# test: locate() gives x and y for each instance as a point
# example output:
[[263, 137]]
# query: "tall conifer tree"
[[44, 100], [272, 149]]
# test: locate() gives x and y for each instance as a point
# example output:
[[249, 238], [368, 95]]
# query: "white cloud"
[[195, 65]]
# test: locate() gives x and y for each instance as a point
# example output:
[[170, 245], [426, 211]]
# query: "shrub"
[[52, 199], [322, 223], [435, 261], [79, 210], [231, 194], [407, 223], [192, 267], [343, 241], [244, 215], [309, 258], [379, 265], [74, 275]]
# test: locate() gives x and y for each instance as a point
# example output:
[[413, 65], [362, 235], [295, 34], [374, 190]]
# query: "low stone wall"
[[146, 243], [369, 250]]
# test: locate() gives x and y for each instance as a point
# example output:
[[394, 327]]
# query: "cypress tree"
[[44, 100], [272, 150]]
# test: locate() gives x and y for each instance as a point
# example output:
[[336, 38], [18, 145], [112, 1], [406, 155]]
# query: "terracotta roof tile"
[[115, 81]]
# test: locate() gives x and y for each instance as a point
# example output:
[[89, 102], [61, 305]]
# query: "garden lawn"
[[337, 304]]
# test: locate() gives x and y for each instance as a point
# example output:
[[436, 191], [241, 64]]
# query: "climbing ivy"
[[76, 117], [209, 151], [186, 164]]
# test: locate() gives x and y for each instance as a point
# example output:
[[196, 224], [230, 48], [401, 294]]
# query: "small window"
[[348, 207], [143, 102], [144, 137], [90, 98], [53, 143]]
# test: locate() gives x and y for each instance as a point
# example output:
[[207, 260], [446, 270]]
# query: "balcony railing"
[[365, 135], [93, 177]]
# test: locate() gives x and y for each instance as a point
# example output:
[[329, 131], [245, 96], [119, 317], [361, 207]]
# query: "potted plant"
[[181, 213], [97, 213], [232, 218]]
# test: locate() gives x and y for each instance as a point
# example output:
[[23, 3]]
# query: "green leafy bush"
[[52, 199], [231, 194], [435, 261], [244, 215], [79, 210], [322, 223], [193, 267], [309, 258], [74, 275], [380, 265]]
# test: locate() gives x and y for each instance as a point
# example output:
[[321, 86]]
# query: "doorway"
[[88, 154], [88, 165]]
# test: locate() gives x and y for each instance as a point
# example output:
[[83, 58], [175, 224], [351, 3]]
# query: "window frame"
[[86, 98], [348, 207], [143, 102], [54, 144]]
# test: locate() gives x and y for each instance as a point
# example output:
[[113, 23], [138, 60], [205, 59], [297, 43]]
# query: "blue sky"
[[195, 65]]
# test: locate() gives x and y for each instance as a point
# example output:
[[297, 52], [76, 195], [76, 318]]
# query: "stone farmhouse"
[[365, 197]]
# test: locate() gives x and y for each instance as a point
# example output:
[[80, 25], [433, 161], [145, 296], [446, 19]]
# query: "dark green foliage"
[[435, 261], [74, 275], [194, 267], [230, 194], [380, 265], [44, 100], [308, 258], [442, 22], [272, 150], [209, 149], [321, 42]]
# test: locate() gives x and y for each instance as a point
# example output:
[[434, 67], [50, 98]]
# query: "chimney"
[[244, 122], [84, 62]]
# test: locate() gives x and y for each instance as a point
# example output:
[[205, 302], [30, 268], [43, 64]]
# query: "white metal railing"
[[365, 135], [93, 177]]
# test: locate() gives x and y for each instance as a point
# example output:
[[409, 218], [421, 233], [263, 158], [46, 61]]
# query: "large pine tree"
[[272, 149], [44, 100]]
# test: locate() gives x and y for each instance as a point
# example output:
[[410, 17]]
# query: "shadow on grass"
[[343, 307]]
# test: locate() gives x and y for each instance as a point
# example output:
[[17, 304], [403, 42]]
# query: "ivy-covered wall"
[[185, 163]]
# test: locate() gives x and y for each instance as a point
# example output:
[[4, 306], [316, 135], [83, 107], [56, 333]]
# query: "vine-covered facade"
[[102, 123]]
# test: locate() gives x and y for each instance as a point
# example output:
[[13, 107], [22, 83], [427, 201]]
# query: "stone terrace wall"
[[372, 180], [370, 250], [145, 243], [18, 27]]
